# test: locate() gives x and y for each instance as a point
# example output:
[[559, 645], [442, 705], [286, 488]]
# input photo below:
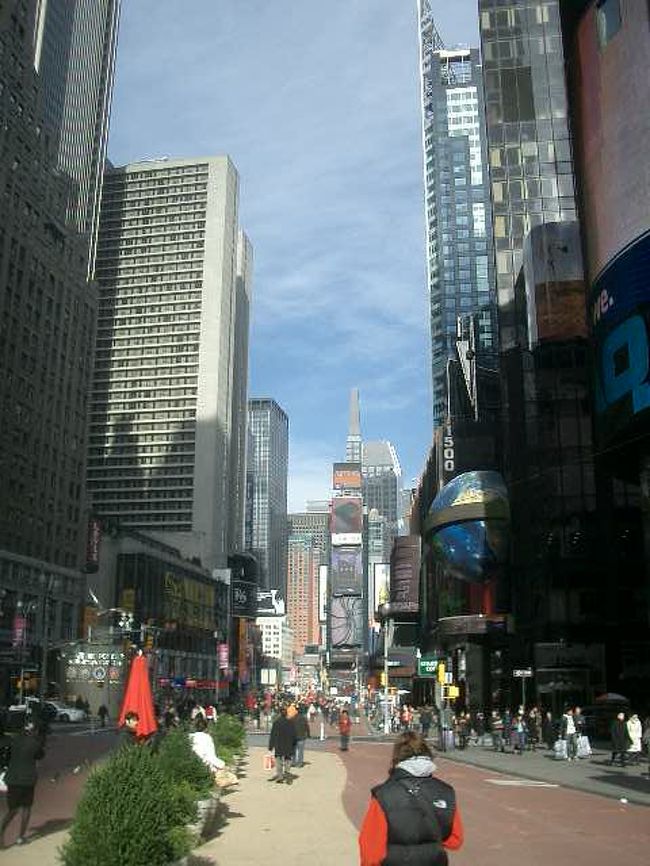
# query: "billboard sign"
[[347, 515], [322, 592], [347, 621], [405, 574], [346, 538], [381, 584], [347, 570], [347, 476], [244, 599]]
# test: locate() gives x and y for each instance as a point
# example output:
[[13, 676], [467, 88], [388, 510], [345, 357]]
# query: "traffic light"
[[382, 678], [440, 674], [148, 644]]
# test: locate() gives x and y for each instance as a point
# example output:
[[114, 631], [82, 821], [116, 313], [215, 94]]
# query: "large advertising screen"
[[347, 476], [381, 584], [323, 574], [347, 515], [405, 574], [347, 621], [347, 570]]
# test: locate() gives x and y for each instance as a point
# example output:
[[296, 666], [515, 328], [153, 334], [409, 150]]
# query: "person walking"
[[20, 778], [635, 731], [621, 739], [569, 733], [425, 721], [282, 741], [301, 725], [548, 730], [345, 726], [128, 734], [413, 816], [496, 724], [102, 713]]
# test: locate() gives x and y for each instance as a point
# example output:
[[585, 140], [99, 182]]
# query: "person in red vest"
[[345, 726], [413, 816]]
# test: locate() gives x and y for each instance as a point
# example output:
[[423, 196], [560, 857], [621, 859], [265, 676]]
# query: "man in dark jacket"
[[283, 742], [25, 750], [621, 740], [128, 733], [301, 725]]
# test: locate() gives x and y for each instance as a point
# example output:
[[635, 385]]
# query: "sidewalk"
[[593, 775], [261, 822]]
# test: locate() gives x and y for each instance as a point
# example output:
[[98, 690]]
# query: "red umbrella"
[[138, 697]]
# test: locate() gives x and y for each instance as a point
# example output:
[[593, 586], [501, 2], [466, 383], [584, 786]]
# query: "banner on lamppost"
[[19, 630], [222, 651]]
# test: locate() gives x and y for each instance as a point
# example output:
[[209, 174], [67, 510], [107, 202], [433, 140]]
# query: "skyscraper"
[[74, 53], [460, 266], [304, 558], [382, 482], [353, 443], [269, 465], [173, 271]]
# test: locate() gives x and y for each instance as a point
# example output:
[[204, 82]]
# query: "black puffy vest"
[[420, 814]]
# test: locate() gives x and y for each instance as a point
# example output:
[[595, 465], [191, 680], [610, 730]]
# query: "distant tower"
[[353, 445]]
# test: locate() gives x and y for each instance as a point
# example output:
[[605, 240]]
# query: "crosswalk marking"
[[522, 783]]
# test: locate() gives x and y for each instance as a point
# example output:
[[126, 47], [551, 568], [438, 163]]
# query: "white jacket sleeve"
[[203, 746]]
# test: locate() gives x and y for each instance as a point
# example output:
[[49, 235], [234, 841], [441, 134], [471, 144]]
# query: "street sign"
[[427, 666], [522, 673]]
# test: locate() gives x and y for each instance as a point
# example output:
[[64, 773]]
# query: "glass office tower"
[[460, 264]]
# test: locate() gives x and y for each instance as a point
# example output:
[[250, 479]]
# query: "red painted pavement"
[[517, 825]]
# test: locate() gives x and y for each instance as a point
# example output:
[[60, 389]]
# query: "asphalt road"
[[511, 820]]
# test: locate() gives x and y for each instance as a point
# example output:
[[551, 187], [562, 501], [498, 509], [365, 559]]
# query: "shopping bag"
[[225, 778], [3, 784], [269, 761], [584, 747], [560, 750]]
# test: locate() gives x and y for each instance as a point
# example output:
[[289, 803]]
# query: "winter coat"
[[621, 739], [635, 731], [345, 725], [302, 727], [283, 737], [26, 750], [420, 814]]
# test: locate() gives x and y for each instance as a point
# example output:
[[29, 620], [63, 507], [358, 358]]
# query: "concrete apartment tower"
[[166, 428], [268, 461], [460, 268]]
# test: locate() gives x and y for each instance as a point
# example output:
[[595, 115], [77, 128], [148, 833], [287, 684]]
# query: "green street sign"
[[428, 666]]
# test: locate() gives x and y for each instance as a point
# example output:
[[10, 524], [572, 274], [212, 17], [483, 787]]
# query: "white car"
[[65, 713]]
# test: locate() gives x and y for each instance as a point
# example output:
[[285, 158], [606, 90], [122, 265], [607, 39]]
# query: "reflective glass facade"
[[528, 135], [460, 264]]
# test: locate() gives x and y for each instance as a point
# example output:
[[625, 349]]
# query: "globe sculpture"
[[468, 526]]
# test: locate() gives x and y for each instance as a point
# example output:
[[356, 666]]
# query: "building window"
[[608, 20]]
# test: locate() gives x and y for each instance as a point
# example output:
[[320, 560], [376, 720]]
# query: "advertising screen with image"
[[347, 621], [347, 515], [347, 570]]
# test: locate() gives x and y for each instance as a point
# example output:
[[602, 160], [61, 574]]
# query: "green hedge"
[[130, 814], [135, 807]]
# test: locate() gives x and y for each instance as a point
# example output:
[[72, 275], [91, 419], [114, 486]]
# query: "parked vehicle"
[[53, 711]]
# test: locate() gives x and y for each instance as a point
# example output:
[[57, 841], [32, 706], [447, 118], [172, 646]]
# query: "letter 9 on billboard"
[[347, 570], [347, 515]]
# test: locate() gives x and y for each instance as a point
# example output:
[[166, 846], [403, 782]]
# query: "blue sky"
[[317, 103]]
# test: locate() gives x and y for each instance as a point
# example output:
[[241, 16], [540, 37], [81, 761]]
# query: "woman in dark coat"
[[26, 750], [282, 741], [621, 739]]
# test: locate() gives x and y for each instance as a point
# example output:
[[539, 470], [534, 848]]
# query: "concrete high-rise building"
[[169, 384], [269, 465], [75, 43], [304, 558], [315, 525], [460, 268]]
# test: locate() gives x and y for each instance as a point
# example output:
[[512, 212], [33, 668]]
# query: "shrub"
[[129, 815], [228, 733], [179, 763]]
